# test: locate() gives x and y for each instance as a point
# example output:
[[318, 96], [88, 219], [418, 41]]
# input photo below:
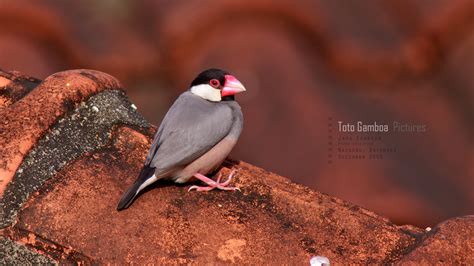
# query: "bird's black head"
[[206, 76], [216, 85]]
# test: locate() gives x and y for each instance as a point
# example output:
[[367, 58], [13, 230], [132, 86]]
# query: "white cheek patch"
[[207, 92]]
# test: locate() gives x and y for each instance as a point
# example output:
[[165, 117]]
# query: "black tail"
[[129, 196]]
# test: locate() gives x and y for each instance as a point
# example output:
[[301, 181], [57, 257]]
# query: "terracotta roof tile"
[[73, 149], [26, 120]]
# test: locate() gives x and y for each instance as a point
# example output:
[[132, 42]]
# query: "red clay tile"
[[449, 243], [73, 217], [26, 120], [327, 53], [272, 220], [4, 82]]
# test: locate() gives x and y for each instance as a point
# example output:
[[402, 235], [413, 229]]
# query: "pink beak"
[[232, 86]]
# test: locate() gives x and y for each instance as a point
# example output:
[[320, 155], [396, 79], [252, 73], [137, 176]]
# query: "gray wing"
[[191, 127]]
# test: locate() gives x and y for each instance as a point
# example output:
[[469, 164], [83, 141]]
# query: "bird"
[[196, 135]]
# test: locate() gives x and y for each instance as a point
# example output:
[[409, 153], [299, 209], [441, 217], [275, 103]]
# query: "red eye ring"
[[214, 83]]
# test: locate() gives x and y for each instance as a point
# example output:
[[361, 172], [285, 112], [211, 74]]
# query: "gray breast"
[[213, 158]]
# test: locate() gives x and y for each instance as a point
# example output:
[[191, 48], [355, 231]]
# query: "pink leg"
[[214, 184]]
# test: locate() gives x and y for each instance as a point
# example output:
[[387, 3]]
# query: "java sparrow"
[[196, 135]]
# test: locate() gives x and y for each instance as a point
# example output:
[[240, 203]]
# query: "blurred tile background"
[[302, 62]]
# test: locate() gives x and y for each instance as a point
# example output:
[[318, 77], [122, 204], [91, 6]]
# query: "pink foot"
[[214, 184]]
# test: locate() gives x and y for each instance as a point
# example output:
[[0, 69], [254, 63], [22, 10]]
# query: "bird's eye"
[[215, 83]]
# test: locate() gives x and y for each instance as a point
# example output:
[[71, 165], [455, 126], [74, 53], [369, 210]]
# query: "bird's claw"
[[229, 188], [216, 184], [219, 176], [198, 188]]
